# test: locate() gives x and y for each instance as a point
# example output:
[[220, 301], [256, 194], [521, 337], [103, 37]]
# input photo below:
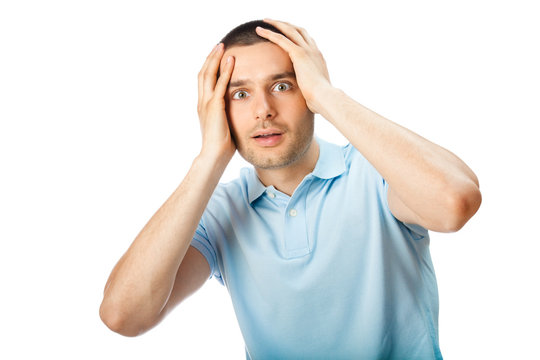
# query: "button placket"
[[295, 235]]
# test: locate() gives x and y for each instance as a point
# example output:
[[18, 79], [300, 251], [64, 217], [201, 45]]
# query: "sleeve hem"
[[207, 253]]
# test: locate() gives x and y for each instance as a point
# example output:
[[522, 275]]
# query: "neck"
[[287, 179]]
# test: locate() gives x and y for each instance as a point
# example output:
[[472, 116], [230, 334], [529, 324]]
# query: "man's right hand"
[[217, 142]]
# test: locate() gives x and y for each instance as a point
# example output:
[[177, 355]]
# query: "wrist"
[[325, 99], [213, 160]]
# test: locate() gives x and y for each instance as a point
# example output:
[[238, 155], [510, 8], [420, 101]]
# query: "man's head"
[[268, 116], [245, 35]]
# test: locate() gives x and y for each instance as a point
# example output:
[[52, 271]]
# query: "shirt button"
[[271, 195], [293, 212]]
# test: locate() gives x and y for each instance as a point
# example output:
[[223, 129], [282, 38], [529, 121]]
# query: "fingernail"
[[229, 59]]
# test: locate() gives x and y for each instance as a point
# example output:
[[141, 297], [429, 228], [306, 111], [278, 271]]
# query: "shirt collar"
[[331, 164], [254, 186]]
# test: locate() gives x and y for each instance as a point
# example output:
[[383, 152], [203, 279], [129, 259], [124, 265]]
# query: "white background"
[[99, 125]]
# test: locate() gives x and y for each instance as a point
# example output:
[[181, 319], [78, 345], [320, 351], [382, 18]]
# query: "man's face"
[[269, 120]]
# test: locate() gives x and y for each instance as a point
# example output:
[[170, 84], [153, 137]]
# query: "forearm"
[[142, 281], [419, 171]]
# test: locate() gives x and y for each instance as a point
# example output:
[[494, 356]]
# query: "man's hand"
[[309, 65], [216, 136]]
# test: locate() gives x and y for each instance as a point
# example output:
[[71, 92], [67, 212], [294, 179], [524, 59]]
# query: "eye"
[[282, 87], [240, 95]]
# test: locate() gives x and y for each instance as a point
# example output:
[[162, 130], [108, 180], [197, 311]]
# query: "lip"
[[268, 137], [267, 132]]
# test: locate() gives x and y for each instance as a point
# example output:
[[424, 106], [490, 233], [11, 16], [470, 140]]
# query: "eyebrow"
[[283, 75]]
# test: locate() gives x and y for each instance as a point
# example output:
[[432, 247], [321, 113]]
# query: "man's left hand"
[[309, 65]]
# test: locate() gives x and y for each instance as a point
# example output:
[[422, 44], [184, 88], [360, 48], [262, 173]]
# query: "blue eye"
[[239, 95], [282, 87]]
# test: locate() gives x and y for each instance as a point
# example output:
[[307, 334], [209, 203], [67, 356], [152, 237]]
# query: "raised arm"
[[428, 185], [160, 269]]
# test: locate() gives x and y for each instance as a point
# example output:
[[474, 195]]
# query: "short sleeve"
[[202, 243], [417, 232]]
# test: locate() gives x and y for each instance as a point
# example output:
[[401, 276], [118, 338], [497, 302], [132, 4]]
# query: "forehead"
[[257, 62]]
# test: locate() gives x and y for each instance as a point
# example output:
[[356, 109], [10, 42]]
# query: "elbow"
[[461, 206], [116, 320]]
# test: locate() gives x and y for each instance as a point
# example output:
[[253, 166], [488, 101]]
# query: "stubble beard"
[[294, 149]]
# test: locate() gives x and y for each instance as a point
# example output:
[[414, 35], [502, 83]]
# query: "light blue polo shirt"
[[327, 273]]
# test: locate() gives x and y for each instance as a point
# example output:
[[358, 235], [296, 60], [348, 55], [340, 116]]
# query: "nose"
[[263, 106]]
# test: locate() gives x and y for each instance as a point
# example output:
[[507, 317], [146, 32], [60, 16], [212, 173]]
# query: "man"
[[323, 249]]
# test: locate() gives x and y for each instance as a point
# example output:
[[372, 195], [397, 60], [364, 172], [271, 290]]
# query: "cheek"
[[236, 118], [232, 110], [296, 109]]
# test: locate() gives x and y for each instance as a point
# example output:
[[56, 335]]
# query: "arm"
[[160, 269], [428, 185]]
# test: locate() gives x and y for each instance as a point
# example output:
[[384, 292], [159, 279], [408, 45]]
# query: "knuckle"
[[301, 53], [224, 77], [215, 103], [208, 76]]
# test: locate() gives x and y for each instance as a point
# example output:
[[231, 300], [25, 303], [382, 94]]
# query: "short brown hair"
[[244, 35]]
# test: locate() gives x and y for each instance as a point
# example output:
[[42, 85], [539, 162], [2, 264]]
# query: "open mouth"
[[269, 139], [266, 136]]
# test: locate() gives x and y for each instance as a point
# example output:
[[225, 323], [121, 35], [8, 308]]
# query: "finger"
[[292, 32], [278, 39], [307, 37], [208, 75], [224, 78], [201, 74]]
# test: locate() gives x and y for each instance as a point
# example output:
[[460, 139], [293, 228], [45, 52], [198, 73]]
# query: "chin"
[[274, 160]]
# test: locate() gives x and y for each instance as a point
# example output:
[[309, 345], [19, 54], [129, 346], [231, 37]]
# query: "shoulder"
[[234, 190], [361, 179], [347, 153], [357, 164], [230, 195], [344, 163]]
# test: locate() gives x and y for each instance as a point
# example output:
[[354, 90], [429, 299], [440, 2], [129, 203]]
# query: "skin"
[[267, 98], [429, 185]]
